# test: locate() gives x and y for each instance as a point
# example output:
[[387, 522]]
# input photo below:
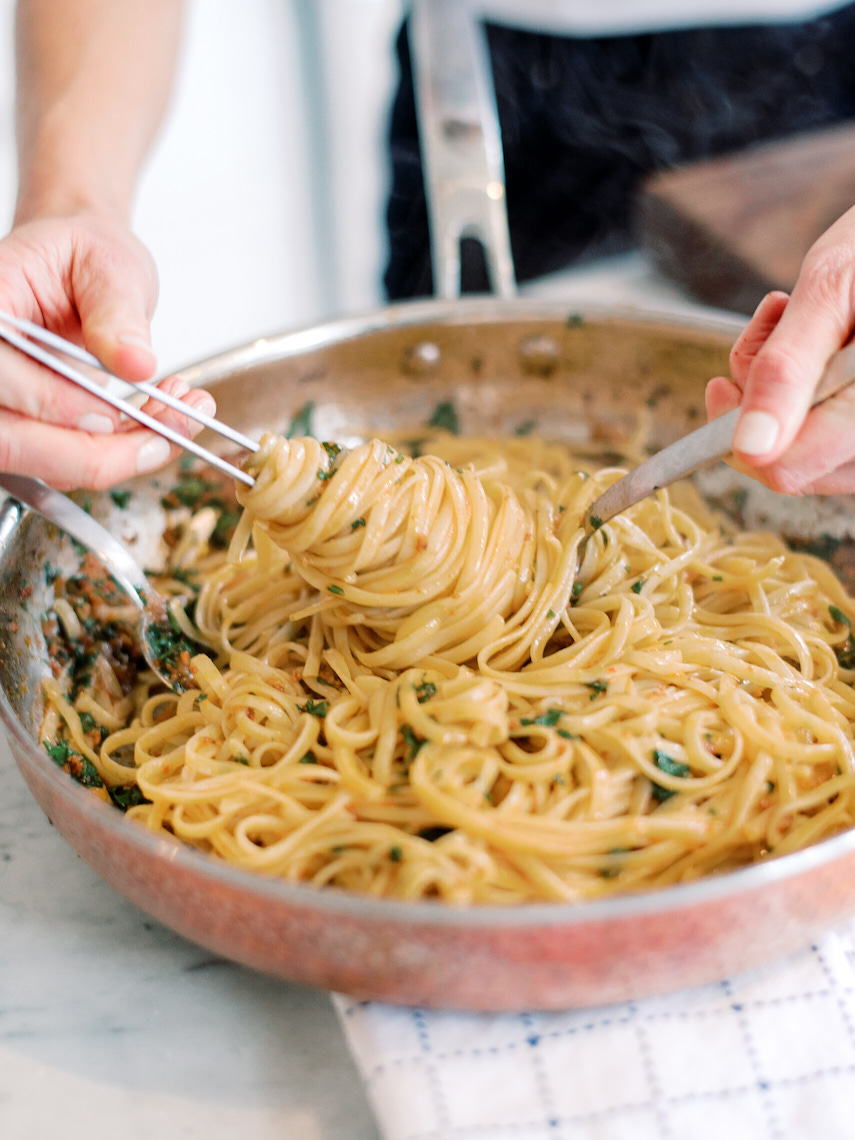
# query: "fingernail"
[[97, 425], [179, 388], [206, 404], [153, 453], [135, 341], [755, 433]]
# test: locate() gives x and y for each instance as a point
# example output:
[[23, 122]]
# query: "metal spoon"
[[159, 639], [696, 450]]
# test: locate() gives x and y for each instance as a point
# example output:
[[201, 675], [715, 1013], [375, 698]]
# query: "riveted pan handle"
[[461, 143]]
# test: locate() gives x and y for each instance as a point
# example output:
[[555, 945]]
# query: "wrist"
[[51, 187]]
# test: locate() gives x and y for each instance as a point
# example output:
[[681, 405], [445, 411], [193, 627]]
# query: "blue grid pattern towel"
[[767, 1055]]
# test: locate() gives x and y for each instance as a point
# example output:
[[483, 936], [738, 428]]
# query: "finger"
[[115, 290], [37, 392], [69, 459], [755, 334], [825, 443], [198, 398], [721, 396], [785, 371], [839, 482]]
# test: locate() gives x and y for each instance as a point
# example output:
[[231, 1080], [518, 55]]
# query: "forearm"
[[94, 78]]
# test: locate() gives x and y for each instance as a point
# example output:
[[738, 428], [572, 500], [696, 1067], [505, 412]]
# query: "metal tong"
[[41, 345]]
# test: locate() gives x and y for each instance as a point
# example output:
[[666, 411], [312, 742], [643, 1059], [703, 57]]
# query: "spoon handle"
[[706, 444], [64, 513]]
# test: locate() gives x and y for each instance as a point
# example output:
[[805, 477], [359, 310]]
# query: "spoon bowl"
[[161, 638]]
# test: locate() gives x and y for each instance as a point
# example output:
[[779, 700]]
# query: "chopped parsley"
[[596, 688], [636, 586], [60, 752], [335, 589], [396, 854], [189, 490], [445, 418], [547, 719], [315, 708], [121, 499], [577, 589], [301, 422], [670, 767], [127, 796], [413, 743], [357, 523], [839, 616], [526, 428], [846, 653], [596, 522], [425, 691]]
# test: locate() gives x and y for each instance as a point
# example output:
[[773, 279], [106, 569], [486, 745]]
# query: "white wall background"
[[262, 200]]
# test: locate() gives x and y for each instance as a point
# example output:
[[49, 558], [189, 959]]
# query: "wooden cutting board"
[[732, 228]]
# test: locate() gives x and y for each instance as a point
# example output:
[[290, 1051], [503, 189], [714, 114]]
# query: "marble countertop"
[[112, 1026]]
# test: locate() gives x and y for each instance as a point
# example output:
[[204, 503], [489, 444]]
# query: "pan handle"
[[461, 142]]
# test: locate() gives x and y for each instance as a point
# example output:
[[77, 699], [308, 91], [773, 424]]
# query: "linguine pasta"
[[407, 690]]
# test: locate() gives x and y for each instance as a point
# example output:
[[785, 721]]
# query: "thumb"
[[115, 291]]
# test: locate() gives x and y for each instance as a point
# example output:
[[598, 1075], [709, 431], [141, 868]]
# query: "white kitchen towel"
[[767, 1055]]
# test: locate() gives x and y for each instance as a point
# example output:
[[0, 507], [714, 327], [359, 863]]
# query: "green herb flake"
[[241, 760], [718, 578], [222, 532], [525, 428], [547, 719], [308, 758], [332, 450], [445, 418], [357, 523], [596, 687], [567, 735], [60, 752], [577, 589], [636, 586], [335, 589], [425, 691], [839, 616], [596, 522], [413, 743], [301, 422], [127, 796], [670, 767], [121, 499], [315, 708], [396, 854]]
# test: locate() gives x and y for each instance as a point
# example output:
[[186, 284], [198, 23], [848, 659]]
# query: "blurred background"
[[263, 200], [273, 147]]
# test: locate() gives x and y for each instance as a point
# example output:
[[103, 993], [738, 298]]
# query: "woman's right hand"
[[87, 278]]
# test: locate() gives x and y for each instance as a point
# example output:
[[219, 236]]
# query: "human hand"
[[87, 278], [776, 364]]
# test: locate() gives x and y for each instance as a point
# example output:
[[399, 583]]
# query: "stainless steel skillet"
[[588, 377], [583, 377]]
